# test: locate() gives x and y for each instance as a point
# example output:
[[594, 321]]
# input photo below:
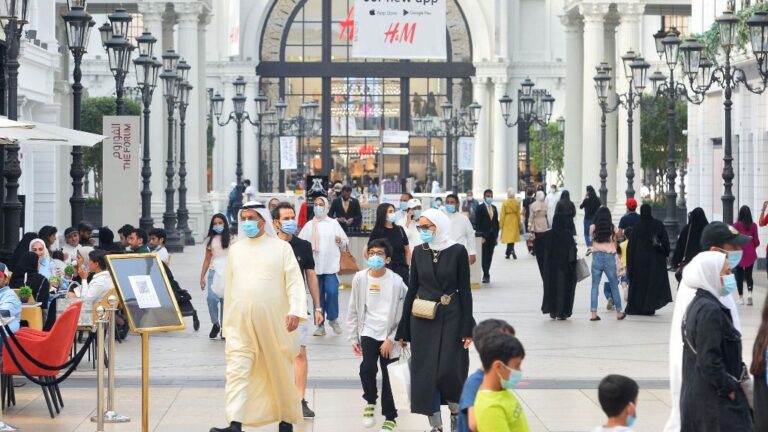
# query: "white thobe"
[[462, 232], [551, 200]]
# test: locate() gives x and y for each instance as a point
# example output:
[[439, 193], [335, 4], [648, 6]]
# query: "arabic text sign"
[[122, 170], [405, 29]]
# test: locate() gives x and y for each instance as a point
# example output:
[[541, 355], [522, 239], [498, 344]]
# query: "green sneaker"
[[388, 426], [368, 418]]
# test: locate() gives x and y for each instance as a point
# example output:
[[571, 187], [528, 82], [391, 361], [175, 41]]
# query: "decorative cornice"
[[630, 10], [593, 11], [188, 12]]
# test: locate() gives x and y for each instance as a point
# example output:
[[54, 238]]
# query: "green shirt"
[[499, 412]]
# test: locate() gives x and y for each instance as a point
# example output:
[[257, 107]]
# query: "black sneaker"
[[285, 427], [233, 427], [308, 413], [214, 331]]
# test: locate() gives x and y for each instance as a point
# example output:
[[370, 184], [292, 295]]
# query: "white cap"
[[413, 203]]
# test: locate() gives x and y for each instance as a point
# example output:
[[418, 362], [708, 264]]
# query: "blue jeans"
[[329, 295], [214, 301], [587, 238], [603, 262]]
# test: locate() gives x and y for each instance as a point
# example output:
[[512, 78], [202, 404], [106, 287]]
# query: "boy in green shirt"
[[496, 407]]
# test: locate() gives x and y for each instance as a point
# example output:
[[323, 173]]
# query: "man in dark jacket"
[[487, 219], [346, 210]]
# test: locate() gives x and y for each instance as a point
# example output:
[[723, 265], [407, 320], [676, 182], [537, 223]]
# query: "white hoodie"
[[685, 295]]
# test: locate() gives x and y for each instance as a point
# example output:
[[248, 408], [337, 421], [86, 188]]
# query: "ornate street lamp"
[[302, 126], [428, 127], [239, 115], [79, 25], [184, 88], [531, 112], [147, 71], [114, 37], [458, 123], [170, 62], [13, 17]]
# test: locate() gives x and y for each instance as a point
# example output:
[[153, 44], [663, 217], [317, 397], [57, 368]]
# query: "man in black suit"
[[346, 210], [487, 220]]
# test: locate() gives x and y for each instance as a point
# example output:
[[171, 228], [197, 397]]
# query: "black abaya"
[[438, 358], [647, 266], [559, 274]]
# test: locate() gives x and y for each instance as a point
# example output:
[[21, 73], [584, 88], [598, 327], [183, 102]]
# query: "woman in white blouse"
[[101, 282], [410, 221], [328, 239]]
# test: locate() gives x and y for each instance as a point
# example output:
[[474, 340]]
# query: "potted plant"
[[25, 292], [69, 270]]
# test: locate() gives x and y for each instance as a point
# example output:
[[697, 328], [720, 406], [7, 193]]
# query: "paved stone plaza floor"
[[564, 362]]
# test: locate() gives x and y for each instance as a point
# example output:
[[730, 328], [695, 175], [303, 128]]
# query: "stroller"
[[183, 299]]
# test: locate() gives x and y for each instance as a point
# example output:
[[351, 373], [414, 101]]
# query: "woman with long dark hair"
[[386, 228], [647, 266], [212, 275], [743, 271], [758, 370], [603, 235], [689, 241], [566, 207], [590, 204]]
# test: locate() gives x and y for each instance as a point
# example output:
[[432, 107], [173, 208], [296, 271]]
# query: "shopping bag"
[[400, 380], [582, 269]]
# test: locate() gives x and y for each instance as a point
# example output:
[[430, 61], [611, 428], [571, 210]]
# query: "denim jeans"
[[329, 295], [603, 262], [214, 301], [587, 238]]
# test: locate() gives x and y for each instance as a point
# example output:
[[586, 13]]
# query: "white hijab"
[[442, 231], [47, 256], [703, 272], [263, 212], [540, 196], [315, 229]]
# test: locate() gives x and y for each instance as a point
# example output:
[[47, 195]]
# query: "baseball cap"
[[631, 204], [413, 203], [719, 233]]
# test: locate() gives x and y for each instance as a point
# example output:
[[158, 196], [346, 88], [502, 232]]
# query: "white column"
[[501, 167], [202, 95], [594, 40], [153, 23], [611, 143], [573, 101], [481, 172], [628, 38]]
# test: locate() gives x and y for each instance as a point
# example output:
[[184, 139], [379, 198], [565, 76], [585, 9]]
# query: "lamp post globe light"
[[79, 25], [534, 107], [13, 17], [147, 72], [184, 88], [114, 38], [239, 115], [169, 76], [702, 75], [635, 70], [462, 122]]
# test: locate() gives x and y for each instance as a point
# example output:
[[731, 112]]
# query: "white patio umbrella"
[[39, 133]]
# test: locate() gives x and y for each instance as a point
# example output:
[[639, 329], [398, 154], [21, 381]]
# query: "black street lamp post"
[[270, 125], [304, 125], [13, 16], [429, 128], [147, 70], [169, 76], [79, 24], [183, 90], [728, 77], [533, 111], [114, 37], [239, 115], [462, 122]]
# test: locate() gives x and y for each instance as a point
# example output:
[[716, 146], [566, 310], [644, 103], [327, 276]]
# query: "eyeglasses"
[[380, 254], [424, 227]]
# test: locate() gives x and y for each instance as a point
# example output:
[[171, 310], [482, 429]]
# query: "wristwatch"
[[318, 309]]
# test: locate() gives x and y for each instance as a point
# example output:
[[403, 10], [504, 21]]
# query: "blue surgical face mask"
[[436, 204], [514, 378], [450, 208], [218, 229], [250, 228], [416, 214], [319, 211], [392, 217], [734, 258], [375, 262], [426, 236], [489, 200], [729, 284], [403, 205], [631, 420], [288, 226]]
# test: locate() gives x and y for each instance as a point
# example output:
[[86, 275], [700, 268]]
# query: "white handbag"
[[400, 380], [218, 265]]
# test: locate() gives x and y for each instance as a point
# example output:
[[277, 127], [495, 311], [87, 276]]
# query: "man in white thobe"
[[461, 230], [264, 302], [551, 200]]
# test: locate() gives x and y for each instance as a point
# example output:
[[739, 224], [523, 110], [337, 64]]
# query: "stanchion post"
[[100, 370], [5, 427], [111, 416], [144, 382]]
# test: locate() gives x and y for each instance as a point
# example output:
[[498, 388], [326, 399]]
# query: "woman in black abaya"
[[689, 241], [646, 266], [560, 272]]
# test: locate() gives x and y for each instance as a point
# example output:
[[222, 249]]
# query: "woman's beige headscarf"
[[315, 229]]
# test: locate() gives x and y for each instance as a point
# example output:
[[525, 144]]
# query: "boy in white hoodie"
[[375, 308]]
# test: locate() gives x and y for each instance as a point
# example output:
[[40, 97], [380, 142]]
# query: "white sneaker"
[[319, 331], [368, 415], [749, 299], [741, 300], [335, 326]]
